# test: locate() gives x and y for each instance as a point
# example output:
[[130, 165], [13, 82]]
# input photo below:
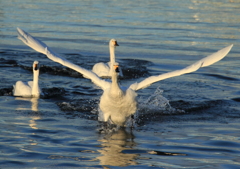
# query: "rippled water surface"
[[190, 121]]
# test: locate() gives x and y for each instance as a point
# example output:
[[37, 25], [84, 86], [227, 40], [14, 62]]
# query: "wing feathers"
[[215, 57], [41, 47], [209, 60]]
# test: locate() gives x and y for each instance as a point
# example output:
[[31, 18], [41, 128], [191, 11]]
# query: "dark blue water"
[[190, 121]]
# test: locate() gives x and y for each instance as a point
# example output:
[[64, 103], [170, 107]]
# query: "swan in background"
[[118, 104], [30, 88], [105, 70]]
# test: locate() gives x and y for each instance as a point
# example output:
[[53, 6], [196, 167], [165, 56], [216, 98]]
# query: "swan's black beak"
[[35, 66], [116, 44], [116, 68]]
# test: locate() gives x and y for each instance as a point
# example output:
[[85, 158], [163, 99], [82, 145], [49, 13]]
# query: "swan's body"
[[28, 89], [105, 70], [116, 104]]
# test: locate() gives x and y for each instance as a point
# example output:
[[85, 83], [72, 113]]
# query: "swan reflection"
[[34, 104], [33, 107], [112, 146]]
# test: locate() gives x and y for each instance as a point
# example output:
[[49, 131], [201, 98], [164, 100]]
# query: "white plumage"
[[30, 88], [118, 104]]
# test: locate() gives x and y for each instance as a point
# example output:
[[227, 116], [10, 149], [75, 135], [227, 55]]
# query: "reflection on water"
[[112, 146], [32, 122], [33, 107]]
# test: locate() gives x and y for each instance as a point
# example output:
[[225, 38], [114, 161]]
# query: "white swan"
[[118, 104], [30, 88], [105, 70]]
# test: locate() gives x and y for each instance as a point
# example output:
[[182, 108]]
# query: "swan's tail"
[[31, 41]]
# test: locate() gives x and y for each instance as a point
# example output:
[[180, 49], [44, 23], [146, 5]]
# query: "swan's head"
[[113, 43], [35, 65]]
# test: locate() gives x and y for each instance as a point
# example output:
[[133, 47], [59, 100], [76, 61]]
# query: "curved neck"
[[35, 87]]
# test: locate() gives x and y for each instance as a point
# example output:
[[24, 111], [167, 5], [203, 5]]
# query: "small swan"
[[118, 104], [30, 88], [105, 70]]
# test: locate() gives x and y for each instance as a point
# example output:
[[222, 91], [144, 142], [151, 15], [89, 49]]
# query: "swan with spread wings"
[[117, 104]]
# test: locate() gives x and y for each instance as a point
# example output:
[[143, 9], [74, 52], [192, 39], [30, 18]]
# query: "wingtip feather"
[[217, 56]]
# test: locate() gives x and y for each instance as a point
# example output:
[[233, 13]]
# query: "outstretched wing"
[[41, 47], [209, 60]]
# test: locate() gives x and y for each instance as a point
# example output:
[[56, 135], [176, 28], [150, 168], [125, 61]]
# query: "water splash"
[[155, 102], [154, 107]]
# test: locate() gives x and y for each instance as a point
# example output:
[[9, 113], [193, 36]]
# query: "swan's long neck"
[[112, 54], [115, 90], [112, 57], [35, 87]]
